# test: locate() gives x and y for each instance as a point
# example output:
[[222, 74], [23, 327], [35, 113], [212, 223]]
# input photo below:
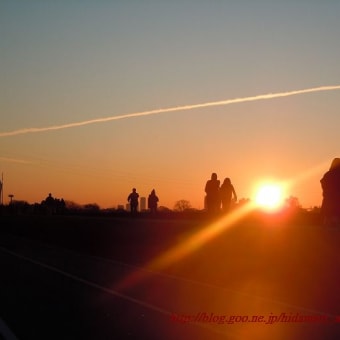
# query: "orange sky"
[[68, 63]]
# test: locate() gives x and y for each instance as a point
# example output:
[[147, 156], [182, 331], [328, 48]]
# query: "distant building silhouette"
[[142, 203]]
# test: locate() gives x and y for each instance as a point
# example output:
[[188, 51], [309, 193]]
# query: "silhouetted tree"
[[182, 205], [92, 208], [243, 201], [19, 207], [293, 202], [163, 208], [73, 206]]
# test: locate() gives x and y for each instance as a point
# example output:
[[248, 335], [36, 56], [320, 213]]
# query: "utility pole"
[[11, 198], [2, 189]]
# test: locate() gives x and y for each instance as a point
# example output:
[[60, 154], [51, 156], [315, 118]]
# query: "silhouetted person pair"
[[330, 184], [133, 200], [216, 195]]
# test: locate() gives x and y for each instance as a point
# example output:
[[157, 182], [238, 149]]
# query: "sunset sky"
[[65, 62]]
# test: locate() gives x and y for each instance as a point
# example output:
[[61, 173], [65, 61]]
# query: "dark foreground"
[[99, 278]]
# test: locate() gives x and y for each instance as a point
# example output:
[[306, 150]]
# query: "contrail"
[[171, 109], [13, 160]]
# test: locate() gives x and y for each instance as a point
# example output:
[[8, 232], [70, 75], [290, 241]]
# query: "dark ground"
[[255, 267]]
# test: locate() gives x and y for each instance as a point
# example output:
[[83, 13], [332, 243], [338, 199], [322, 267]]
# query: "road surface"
[[246, 284]]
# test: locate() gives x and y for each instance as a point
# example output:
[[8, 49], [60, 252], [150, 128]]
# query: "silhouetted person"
[[49, 199], [227, 194], [330, 184], [50, 204], [212, 198], [60, 205], [153, 201], [133, 199]]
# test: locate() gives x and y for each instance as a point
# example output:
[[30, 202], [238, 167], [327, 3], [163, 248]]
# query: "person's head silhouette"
[[214, 176], [335, 164]]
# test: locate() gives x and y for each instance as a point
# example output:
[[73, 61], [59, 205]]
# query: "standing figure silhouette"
[[153, 202], [330, 184], [133, 200], [227, 194], [212, 198]]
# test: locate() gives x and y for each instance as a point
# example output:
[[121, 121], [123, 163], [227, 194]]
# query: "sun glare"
[[269, 196]]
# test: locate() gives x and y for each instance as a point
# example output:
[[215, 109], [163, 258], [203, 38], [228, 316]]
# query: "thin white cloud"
[[171, 109], [14, 160]]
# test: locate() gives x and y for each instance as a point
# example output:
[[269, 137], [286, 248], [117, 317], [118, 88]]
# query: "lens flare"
[[190, 245]]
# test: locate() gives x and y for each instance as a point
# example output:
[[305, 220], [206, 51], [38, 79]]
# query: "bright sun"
[[269, 197]]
